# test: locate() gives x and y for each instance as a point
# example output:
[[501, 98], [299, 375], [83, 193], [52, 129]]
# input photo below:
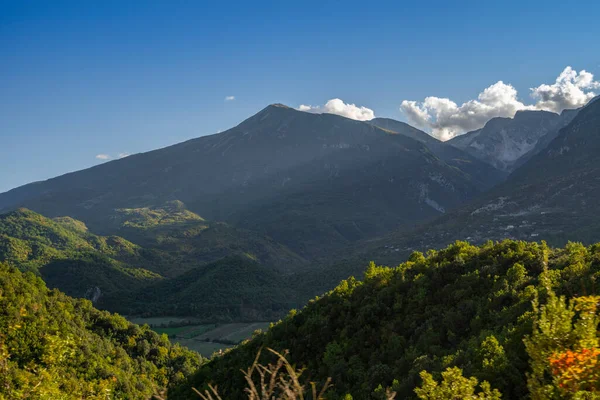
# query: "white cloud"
[[123, 155], [229, 98], [445, 119], [571, 90], [103, 157], [337, 106]]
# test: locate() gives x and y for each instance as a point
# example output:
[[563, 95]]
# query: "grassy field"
[[207, 349], [171, 332], [157, 321], [235, 332], [203, 338]]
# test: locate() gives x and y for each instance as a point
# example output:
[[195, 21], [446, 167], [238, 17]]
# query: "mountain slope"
[[235, 288], [404, 129], [566, 117], [502, 142], [56, 347], [462, 306], [389, 181], [242, 174], [182, 250], [184, 240], [482, 173], [69, 257], [552, 197]]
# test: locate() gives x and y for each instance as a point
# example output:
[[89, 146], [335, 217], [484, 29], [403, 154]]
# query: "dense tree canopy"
[[55, 347], [464, 306], [181, 265], [485, 321]]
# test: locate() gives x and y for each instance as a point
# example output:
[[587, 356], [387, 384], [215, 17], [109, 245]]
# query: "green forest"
[[55, 347], [508, 319], [493, 314], [178, 265]]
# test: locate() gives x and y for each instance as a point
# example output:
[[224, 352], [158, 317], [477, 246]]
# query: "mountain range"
[[300, 199], [551, 198], [314, 182], [249, 224]]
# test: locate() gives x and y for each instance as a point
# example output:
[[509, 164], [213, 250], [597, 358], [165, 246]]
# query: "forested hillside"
[[182, 240], [55, 347], [463, 306], [71, 258], [235, 288], [185, 266]]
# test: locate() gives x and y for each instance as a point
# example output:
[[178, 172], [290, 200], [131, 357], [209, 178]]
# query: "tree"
[[563, 349], [454, 386]]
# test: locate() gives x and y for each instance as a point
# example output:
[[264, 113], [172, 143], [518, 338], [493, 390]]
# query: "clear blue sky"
[[83, 78]]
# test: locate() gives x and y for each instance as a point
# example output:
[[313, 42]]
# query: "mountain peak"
[[278, 105], [275, 110], [495, 123], [523, 115]]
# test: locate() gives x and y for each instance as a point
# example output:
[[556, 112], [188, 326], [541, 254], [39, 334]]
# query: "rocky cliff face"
[[504, 142]]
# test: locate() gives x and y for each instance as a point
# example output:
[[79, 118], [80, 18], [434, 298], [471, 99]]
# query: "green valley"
[[206, 339]]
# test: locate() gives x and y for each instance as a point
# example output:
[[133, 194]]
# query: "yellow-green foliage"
[[56, 347], [454, 386], [29, 240], [564, 348], [173, 213]]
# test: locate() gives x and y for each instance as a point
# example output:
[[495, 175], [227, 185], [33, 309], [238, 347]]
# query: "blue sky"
[[82, 78]]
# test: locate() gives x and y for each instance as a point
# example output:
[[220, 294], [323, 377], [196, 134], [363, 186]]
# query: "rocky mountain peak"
[[505, 142]]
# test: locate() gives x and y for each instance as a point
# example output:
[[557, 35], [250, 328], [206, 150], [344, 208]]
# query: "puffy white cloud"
[[572, 89], [338, 107], [445, 119], [102, 157], [123, 155], [229, 98]]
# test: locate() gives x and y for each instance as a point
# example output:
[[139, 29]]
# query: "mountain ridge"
[[275, 155], [550, 197]]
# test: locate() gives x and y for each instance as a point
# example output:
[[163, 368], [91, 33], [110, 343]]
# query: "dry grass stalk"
[[279, 381]]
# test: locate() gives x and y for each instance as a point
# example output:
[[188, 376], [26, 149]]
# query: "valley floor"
[[206, 339]]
